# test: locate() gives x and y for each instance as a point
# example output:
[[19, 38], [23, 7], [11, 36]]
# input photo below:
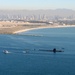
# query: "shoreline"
[[43, 27], [25, 28]]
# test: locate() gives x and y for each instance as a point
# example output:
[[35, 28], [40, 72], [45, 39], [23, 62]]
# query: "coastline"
[[43, 27], [24, 28]]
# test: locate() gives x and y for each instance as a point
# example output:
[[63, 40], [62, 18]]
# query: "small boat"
[[6, 51], [24, 51]]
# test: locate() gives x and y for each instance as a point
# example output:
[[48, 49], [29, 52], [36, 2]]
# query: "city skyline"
[[36, 4]]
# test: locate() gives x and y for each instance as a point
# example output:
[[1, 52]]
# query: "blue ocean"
[[35, 61]]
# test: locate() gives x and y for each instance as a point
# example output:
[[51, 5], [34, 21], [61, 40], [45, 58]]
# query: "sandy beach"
[[7, 27], [42, 27]]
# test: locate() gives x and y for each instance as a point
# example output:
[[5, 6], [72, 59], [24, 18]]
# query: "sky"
[[37, 4]]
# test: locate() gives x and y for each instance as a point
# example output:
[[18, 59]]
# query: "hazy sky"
[[37, 4]]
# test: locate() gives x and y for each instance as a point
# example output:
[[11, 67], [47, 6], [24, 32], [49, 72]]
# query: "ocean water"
[[34, 61]]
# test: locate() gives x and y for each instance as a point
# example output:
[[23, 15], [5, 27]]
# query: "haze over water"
[[36, 62]]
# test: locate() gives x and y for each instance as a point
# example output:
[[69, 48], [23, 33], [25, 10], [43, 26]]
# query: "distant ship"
[[54, 50]]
